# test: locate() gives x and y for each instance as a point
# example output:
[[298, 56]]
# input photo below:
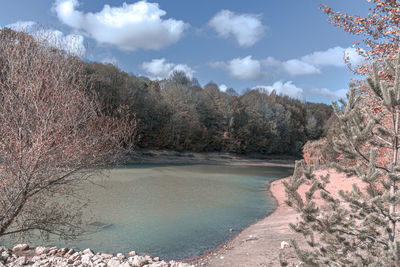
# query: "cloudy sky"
[[287, 45]]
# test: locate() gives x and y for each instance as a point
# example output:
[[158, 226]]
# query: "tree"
[[380, 29], [359, 227], [53, 135]]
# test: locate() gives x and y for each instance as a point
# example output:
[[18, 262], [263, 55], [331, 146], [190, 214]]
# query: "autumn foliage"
[[52, 135], [379, 30]]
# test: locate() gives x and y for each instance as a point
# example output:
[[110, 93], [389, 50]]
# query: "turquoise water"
[[175, 212]]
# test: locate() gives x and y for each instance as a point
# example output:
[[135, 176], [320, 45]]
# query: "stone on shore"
[[41, 250], [51, 256], [20, 247], [132, 253]]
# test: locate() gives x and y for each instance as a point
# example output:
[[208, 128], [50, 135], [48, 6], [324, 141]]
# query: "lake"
[[175, 211]]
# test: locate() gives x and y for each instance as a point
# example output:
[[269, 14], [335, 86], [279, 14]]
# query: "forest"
[[178, 114]]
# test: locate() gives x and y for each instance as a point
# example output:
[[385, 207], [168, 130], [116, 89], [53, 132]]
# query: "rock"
[[52, 251], [113, 262], [20, 247], [21, 261], [62, 251], [120, 256], [284, 245], [159, 264], [77, 263], [132, 253], [179, 264], [139, 261], [86, 258], [156, 259], [106, 256], [41, 250], [88, 251], [102, 264], [36, 258], [4, 256], [76, 256]]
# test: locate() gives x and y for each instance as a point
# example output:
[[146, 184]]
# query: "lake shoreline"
[[260, 243], [210, 257], [147, 156], [223, 159]]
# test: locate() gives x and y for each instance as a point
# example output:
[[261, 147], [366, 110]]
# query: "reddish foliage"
[[52, 134], [380, 29]]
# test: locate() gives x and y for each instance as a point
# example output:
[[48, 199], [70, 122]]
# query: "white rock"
[[113, 262], [106, 255], [132, 253], [139, 261], [159, 264], [284, 245], [88, 251], [86, 258], [4, 256], [36, 258], [77, 263], [76, 256], [21, 261], [20, 247], [62, 251], [120, 256], [41, 250]]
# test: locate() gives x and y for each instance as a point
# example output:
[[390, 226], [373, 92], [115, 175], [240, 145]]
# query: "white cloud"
[[341, 93], [22, 26], [241, 68], [287, 88], [271, 62], [110, 60], [73, 43], [246, 28], [129, 27], [248, 68], [333, 57], [314, 62], [298, 67], [160, 69], [223, 87], [245, 68]]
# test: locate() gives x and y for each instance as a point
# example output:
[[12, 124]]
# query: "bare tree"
[[52, 135]]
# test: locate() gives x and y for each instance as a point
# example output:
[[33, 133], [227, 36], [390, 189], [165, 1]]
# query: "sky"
[[287, 46]]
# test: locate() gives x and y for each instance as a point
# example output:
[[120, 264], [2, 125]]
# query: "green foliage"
[[357, 227]]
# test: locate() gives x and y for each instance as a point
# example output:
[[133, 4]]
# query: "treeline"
[[179, 114]]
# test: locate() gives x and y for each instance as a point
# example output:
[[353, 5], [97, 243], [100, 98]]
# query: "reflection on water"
[[175, 211]]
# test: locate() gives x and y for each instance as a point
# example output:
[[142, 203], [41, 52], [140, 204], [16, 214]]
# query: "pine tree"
[[357, 227]]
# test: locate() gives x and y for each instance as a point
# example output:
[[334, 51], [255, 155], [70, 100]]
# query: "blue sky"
[[284, 45]]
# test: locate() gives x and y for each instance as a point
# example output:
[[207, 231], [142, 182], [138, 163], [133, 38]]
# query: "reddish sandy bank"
[[259, 244]]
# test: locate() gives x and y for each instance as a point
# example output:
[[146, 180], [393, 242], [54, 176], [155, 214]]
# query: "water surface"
[[174, 211]]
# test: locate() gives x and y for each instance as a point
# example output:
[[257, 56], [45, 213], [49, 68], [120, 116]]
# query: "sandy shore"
[[259, 244]]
